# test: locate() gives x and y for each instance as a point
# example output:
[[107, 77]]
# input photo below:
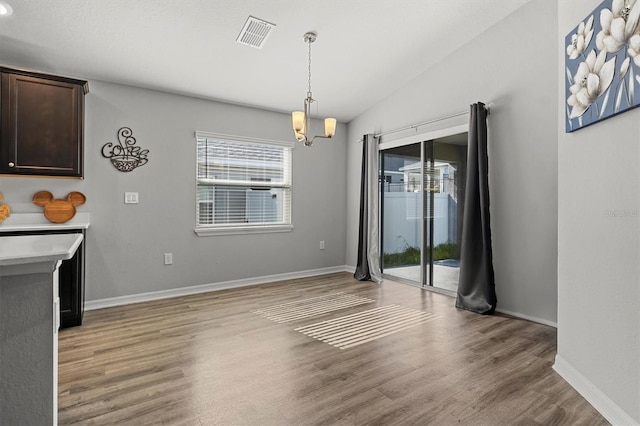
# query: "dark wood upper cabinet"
[[42, 124]]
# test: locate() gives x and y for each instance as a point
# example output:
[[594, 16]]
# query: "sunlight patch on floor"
[[309, 308], [356, 329]]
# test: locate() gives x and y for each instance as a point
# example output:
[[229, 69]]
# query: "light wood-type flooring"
[[207, 359]]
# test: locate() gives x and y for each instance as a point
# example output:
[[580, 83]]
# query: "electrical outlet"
[[321, 245], [168, 258], [131, 198]]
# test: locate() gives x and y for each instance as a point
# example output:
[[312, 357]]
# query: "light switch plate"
[[131, 198]]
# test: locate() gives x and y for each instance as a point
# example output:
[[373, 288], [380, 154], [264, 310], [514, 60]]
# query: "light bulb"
[[329, 127], [5, 9], [297, 118]]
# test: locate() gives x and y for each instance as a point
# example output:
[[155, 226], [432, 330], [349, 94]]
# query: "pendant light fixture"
[[5, 9], [300, 119]]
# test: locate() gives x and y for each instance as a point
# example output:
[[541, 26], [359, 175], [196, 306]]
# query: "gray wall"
[[599, 243], [516, 70], [125, 243]]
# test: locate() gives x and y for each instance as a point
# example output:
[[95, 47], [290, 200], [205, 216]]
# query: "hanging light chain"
[[309, 41], [301, 119]]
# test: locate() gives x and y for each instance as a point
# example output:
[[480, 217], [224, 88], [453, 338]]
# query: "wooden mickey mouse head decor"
[[4, 210], [59, 211]]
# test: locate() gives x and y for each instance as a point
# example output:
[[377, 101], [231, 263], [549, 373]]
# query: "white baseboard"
[[351, 269], [204, 288], [529, 318], [601, 402]]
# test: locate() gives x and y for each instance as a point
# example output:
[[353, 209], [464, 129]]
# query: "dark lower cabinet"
[[71, 289], [70, 280]]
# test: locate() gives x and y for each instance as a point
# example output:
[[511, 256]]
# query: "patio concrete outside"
[[444, 276]]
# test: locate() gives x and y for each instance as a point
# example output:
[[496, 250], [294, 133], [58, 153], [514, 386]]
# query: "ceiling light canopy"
[[5, 9], [300, 119]]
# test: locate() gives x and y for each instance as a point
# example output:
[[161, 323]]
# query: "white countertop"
[[37, 222], [38, 248]]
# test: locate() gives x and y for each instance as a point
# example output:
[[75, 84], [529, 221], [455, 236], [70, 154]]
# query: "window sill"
[[238, 230]]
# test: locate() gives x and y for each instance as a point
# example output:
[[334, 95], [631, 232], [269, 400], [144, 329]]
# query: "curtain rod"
[[424, 123]]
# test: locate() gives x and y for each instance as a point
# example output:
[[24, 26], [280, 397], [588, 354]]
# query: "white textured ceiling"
[[366, 49]]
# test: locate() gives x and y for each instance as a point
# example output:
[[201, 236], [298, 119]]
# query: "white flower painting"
[[602, 72]]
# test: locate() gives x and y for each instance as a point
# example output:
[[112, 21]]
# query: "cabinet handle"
[[11, 164]]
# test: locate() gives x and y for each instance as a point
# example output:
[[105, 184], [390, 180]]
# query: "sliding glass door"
[[401, 212], [447, 172], [422, 199]]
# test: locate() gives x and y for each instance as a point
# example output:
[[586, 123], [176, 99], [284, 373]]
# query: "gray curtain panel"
[[476, 288], [362, 272], [368, 263]]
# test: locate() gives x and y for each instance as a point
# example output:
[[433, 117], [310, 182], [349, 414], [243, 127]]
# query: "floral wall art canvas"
[[603, 64]]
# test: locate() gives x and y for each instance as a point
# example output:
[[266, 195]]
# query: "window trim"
[[287, 144], [207, 231], [236, 229]]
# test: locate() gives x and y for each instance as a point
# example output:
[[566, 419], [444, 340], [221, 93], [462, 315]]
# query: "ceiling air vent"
[[255, 32]]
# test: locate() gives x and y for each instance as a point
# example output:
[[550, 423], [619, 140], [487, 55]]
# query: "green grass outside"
[[411, 255]]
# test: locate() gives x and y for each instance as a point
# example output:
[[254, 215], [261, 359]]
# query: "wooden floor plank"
[[207, 359]]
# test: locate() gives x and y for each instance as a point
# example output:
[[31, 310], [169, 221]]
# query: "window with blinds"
[[243, 185]]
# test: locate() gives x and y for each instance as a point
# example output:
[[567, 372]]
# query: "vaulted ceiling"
[[366, 49]]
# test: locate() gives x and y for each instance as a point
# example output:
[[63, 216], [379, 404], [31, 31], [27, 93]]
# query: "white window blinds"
[[242, 183]]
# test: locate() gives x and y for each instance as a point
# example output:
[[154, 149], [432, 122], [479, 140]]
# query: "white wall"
[[125, 243], [514, 66], [599, 252], [402, 220]]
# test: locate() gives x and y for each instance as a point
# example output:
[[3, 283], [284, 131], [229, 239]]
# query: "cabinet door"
[[41, 126], [70, 280]]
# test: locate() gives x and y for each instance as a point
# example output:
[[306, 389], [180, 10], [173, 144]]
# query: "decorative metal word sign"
[[125, 156]]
